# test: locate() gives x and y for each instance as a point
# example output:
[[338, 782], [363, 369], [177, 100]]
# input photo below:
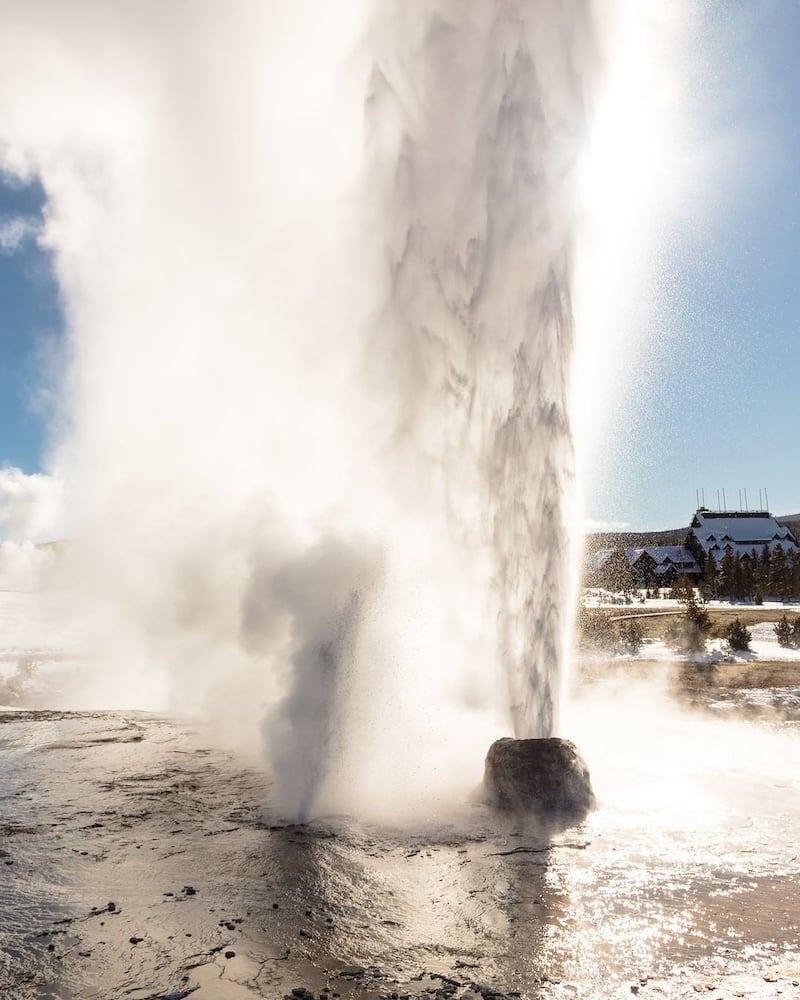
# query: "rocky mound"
[[546, 776]]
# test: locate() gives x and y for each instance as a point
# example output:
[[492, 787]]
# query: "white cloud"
[[30, 505], [15, 230]]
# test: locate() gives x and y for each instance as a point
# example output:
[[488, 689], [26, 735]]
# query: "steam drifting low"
[[314, 433]]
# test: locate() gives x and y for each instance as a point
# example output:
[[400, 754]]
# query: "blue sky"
[[711, 401], [30, 319]]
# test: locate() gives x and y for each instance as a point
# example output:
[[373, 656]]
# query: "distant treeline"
[[756, 577]]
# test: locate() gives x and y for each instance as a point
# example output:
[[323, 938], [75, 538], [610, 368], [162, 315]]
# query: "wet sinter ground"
[[138, 861]]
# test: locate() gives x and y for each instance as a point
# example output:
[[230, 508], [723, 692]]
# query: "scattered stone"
[[51, 947], [540, 775], [230, 954], [304, 933], [111, 907], [135, 940], [275, 906], [190, 890], [351, 972]]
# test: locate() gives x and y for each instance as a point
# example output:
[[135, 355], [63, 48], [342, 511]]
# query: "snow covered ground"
[[595, 597], [764, 644], [763, 647]]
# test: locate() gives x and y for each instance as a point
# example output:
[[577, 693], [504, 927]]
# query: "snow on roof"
[[759, 529], [675, 554], [598, 559]]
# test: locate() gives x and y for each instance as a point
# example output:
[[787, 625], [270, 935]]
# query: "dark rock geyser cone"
[[543, 776]]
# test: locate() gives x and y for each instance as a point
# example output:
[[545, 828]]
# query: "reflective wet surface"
[[140, 861]]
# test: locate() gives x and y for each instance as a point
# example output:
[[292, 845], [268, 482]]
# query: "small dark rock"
[[51, 947], [190, 890], [135, 940], [351, 972], [275, 906], [111, 907], [304, 933], [230, 954]]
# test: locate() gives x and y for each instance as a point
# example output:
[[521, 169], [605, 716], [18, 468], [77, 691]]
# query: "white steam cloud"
[[316, 263], [30, 505]]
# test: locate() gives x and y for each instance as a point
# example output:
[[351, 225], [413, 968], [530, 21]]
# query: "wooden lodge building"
[[737, 533], [714, 533]]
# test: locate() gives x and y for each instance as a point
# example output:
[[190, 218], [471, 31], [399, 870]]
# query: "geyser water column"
[[475, 117]]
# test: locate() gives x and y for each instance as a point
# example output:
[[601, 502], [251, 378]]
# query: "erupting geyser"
[[478, 119], [316, 443]]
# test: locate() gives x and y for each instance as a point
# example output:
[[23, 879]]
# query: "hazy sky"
[[711, 398]]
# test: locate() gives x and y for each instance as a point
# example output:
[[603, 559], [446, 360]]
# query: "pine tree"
[[738, 580], [748, 579], [727, 576], [783, 630], [764, 578], [780, 574], [690, 631], [682, 589], [630, 636], [794, 572], [709, 579], [738, 636]]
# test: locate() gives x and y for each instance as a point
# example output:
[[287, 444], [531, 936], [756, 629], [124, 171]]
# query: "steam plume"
[[314, 434]]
